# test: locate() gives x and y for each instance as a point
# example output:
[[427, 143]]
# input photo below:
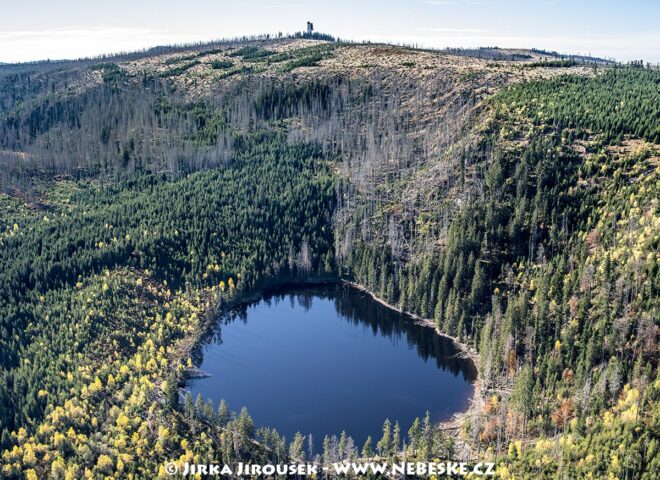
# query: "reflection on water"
[[328, 358]]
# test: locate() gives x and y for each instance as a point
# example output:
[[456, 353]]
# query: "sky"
[[48, 29]]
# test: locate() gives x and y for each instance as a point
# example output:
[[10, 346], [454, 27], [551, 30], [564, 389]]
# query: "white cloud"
[[287, 5], [75, 42], [447, 2], [452, 30], [639, 45]]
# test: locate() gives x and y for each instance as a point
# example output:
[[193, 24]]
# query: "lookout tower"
[[310, 28]]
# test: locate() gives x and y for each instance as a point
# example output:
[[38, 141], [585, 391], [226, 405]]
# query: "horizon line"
[[304, 35]]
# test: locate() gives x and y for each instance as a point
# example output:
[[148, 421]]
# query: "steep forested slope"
[[553, 272], [514, 204]]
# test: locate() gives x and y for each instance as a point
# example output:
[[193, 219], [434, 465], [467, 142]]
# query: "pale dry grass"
[[393, 63]]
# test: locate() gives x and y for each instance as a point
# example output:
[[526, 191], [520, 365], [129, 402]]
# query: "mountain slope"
[[513, 203]]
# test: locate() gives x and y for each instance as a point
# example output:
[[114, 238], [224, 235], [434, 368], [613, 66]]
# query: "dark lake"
[[327, 358]]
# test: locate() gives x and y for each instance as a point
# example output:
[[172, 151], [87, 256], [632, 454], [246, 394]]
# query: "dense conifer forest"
[[513, 202]]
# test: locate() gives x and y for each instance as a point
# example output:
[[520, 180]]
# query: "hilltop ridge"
[[210, 73], [510, 200]]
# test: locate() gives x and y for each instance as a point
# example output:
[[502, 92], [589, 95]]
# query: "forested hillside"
[[552, 271], [511, 201]]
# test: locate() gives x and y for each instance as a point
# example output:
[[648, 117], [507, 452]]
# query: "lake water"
[[328, 358]]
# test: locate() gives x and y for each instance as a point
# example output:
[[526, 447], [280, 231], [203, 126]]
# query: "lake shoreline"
[[453, 425], [457, 421]]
